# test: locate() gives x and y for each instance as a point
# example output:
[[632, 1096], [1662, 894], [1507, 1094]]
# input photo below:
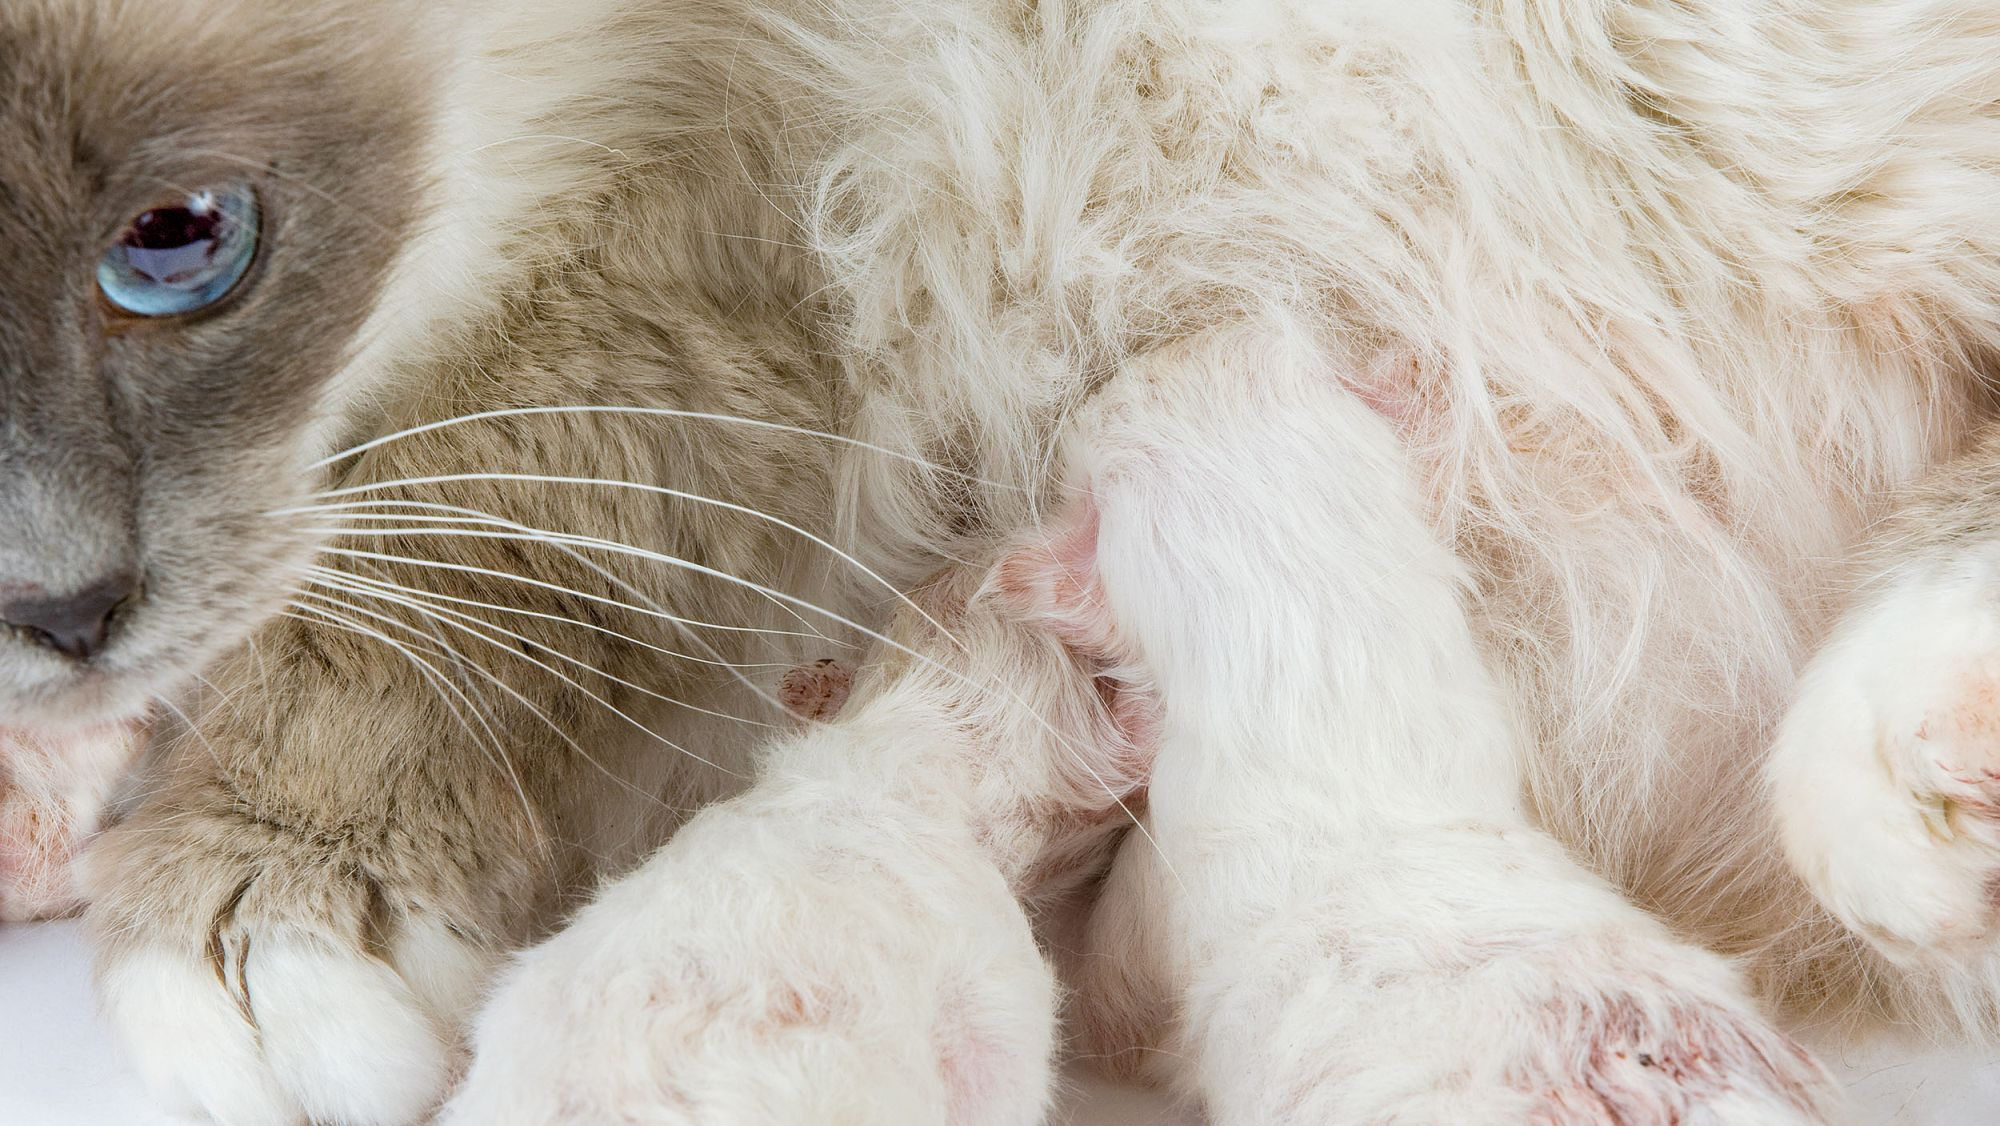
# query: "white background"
[[57, 1066]]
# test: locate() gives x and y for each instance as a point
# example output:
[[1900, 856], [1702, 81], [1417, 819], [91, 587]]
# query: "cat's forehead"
[[111, 96]]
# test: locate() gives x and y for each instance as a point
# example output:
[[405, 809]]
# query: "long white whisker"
[[538, 713], [655, 490], [440, 613], [433, 676], [1082, 758], [441, 684], [640, 596], [479, 517], [475, 667], [188, 722], [656, 412], [419, 592], [467, 568]]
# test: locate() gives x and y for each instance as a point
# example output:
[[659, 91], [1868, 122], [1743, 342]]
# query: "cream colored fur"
[[1614, 324]]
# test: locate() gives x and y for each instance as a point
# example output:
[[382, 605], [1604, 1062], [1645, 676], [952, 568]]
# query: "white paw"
[[328, 1036], [299, 995], [1544, 1027], [768, 971], [1886, 770]]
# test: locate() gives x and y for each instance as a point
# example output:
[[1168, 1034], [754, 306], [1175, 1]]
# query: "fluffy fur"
[[1518, 371]]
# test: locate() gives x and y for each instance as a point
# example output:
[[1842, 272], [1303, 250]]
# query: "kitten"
[[1471, 397]]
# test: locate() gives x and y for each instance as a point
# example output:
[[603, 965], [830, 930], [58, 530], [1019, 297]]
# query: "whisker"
[[455, 617], [433, 676], [1081, 757], [657, 412], [479, 517], [222, 697], [552, 725], [188, 723], [592, 626], [496, 754], [467, 568], [552, 671], [634, 592], [658, 490]]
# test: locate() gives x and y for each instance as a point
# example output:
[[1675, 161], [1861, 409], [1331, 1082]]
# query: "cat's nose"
[[74, 625]]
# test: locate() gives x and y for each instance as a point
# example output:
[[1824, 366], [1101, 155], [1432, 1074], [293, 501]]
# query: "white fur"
[[1881, 768], [287, 1019], [190, 1045], [842, 945], [337, 1035], [1363, 923], [53, 795], [773, 967]]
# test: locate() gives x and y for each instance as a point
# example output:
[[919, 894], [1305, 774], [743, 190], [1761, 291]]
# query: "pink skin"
[[1641, 1066], [53, 794], [1053, 582], [817, 691]]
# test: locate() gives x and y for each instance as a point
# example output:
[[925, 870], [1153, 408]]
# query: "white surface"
[[58, 1068]]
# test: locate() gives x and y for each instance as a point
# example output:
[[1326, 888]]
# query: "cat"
[[445, 424]]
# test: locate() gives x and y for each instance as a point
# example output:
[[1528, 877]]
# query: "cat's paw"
[[1650, 1049], [53, 792], [259, 976], [767, 967], [1885, 774], [1616, 1028]]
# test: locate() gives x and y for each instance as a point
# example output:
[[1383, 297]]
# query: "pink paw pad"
[[1961, 743]]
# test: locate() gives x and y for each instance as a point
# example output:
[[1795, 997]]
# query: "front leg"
[[390, 788], [846, 942], [1344, 914], [294, 924]]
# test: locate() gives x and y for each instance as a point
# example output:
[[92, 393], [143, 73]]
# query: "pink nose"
[[75, 625]]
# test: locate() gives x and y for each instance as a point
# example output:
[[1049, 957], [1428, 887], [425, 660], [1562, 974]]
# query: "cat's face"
[[199, 203]]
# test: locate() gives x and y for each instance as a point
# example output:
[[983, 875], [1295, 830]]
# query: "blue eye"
[[183, 257]]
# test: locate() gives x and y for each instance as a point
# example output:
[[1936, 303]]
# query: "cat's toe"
[[1656, 1052], [270, 982], [1886, 774], [191, 1045], [342, 1032]]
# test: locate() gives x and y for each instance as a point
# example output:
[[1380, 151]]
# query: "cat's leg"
[[845, 942], [1885, 774], [392, 787], [816, 955], [297, 919], [1354, 917]]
